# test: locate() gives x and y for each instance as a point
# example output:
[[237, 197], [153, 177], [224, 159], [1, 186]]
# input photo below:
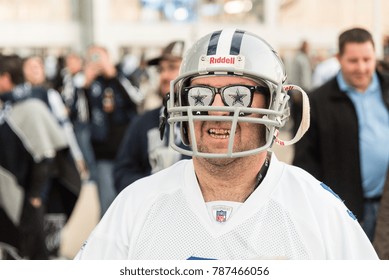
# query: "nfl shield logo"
[[221, 216]]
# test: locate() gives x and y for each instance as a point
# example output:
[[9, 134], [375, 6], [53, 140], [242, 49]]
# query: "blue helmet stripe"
[[236, 42], [213, 41]]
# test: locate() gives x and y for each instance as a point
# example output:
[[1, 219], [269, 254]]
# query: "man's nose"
[[218, 102]]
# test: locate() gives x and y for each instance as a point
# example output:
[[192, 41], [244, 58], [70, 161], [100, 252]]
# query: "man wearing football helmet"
[[234, 199]]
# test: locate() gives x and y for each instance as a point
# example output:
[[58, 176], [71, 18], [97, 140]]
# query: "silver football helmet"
[[230, 52]]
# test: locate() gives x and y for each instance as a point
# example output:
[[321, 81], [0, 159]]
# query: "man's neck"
[[228, 179]]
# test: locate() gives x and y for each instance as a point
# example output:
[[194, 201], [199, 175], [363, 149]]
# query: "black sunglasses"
[[231, 95]]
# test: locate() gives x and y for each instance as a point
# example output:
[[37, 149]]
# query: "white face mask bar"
[[273, 118], [189, 117]]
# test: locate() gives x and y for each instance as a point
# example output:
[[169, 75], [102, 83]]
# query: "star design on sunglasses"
[[238, 97], [198, 98]]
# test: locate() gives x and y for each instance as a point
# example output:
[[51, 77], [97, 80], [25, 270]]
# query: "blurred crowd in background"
[[94, 100], [89, 101]]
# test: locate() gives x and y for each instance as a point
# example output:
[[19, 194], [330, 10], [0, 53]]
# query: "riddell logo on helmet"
[[223, 59]]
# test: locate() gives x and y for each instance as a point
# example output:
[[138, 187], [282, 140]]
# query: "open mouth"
[[219, 133]]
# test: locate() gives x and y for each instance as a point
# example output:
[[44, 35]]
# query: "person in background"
[[76, 102], [70, 165], [31, 142], [36, 86], [233, 199], [113, 103], [301, 68], [300, 74], [142, 152], [347, 144], [324, 71]]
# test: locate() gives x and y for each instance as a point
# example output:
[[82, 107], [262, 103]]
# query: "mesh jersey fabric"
[[290, 215]]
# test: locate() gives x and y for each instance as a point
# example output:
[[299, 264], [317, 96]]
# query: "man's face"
[[358, 64], [213, 136], [168, 71]]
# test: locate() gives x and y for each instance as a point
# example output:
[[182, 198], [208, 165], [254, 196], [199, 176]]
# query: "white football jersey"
[[291, 215]]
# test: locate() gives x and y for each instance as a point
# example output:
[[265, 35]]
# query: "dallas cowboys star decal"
[[199, 98], [238, 97]]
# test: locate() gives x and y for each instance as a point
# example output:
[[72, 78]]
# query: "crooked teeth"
[[220, 133]]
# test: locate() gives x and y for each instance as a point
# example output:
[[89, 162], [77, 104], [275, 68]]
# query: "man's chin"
[[220, 162]]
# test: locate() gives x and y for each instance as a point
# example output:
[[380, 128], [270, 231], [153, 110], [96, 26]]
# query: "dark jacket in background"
[[336, 160], [107, 129], [141, 150], [32, 151]]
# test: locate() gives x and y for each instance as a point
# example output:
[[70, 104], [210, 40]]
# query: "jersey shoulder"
[[318, 196]]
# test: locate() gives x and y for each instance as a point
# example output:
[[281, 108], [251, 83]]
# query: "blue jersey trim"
[[193, 258], [327, 188]]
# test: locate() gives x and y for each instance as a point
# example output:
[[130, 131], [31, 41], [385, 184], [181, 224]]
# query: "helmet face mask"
[[231, 53]]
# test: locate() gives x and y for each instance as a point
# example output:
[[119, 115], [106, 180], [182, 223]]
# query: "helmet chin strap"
[[304, 124]]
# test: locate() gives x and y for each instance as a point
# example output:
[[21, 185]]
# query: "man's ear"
[[338, 56]]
